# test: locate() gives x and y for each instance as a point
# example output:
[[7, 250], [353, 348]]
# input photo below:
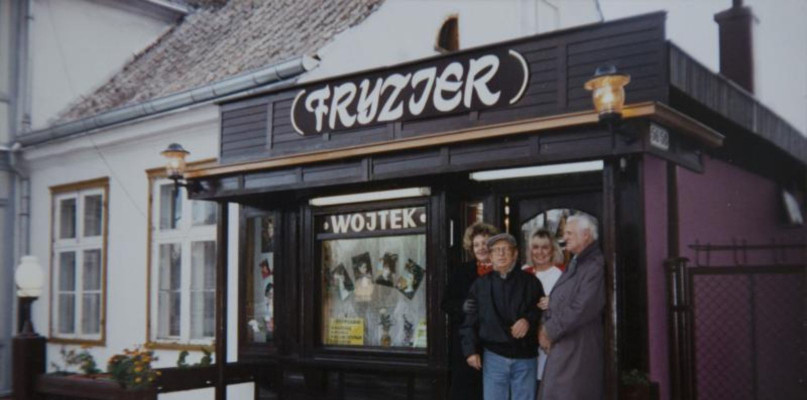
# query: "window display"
[[260, 279], [373, 287]]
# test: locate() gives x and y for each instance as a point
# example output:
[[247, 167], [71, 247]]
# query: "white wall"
[[77, 45], [405, 30], [129, 151]]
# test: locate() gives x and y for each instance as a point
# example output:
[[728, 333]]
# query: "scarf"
[[483, 268]]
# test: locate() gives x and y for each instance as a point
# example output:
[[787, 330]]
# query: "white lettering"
[[408, 218], [342, 96], [382, 217], [371, 225], [340, 223], [446, 84], [475, 82], [357, 223], [368, 102], [395, 219], [416, 106], [391, 111], [319, 96]]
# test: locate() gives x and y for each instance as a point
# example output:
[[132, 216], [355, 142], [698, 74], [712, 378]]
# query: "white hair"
[[585, 222]]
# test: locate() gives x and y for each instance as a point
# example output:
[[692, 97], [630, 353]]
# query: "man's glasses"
[[501, 249]]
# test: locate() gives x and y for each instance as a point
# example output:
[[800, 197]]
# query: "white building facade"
[[127, 259]]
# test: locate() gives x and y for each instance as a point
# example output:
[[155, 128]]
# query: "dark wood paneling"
[[730, 101], [560, 62]]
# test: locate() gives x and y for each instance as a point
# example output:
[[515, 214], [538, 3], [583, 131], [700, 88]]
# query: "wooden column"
[[612, 280], [28, 355], [221, 301]]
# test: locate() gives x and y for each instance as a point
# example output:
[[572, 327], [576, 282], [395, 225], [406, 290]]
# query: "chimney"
[[736, 44]]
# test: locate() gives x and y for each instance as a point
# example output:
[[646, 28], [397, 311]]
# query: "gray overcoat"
[[574, 368]]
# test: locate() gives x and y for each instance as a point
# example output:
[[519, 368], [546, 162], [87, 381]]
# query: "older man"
[[572, 331], [500, 328]]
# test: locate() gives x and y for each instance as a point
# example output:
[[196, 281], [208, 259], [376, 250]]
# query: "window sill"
[[78, 341], [181, 346]]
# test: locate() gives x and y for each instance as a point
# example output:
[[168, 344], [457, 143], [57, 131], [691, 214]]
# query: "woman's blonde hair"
[[557, 253], [479, 228]]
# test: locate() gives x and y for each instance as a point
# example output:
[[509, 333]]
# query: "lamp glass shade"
[[175, 160], [608, 93], [29, 277]]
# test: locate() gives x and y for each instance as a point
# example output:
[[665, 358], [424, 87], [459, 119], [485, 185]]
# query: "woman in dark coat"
[[466, 382]]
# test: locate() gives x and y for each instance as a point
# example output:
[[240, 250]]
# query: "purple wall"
[[655, 206], [722, 206], [726, 203]]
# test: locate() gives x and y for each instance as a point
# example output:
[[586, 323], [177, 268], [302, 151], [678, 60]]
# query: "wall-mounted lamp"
[[175, 167], [30, 281], [608, 93]]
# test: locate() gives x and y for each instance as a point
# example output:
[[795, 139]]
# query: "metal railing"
[[738, 331]]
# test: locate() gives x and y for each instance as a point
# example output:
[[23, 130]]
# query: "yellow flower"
[[138, 369], [159, 373], [138, 379]]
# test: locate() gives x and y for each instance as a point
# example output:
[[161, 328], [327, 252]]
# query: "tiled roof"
[[214, 43]]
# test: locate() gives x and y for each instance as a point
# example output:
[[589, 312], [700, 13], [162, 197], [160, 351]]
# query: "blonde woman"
[[546, 262]]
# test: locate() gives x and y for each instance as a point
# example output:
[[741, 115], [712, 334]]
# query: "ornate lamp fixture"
[[175, 167], [30, 280], [608, 93]]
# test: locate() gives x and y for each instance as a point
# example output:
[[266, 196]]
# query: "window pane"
[[67, 271], [92, 270], [204, 213], [170, 207], [67, 313], [203, 314], [170, 266], [91, 313], [374, 292], [260, 280], [67, 219], [93, 214], [174, 314], [170, 280], [203, 265], [203, 285]]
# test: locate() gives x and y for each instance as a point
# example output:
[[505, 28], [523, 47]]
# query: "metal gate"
[[738, 332]]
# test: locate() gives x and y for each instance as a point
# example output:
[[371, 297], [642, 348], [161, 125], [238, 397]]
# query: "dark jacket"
[[466, 382], [574, 325], [500, 302]]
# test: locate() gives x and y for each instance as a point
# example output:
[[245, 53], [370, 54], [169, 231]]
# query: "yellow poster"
[[420, 335], [346, 331]]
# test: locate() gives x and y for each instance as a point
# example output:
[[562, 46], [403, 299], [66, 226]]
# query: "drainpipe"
[[24, 69]]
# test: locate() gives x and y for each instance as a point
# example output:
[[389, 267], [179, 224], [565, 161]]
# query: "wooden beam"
[[652, 110], [221, 301]]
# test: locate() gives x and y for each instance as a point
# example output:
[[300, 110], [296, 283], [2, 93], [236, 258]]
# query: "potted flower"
[[129, 377], [132, 369]]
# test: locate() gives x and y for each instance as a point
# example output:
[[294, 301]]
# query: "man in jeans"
[[499, 332]]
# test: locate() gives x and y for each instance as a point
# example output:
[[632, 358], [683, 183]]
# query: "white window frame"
[[78, 245], [185, 235]]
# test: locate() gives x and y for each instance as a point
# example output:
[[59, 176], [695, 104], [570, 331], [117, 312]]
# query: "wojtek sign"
[[459, 84], [374, 221]]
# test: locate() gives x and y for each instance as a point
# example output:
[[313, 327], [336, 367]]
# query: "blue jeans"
[[508, 378]]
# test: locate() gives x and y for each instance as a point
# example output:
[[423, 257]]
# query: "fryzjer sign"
[[463, 83], [374, 221]]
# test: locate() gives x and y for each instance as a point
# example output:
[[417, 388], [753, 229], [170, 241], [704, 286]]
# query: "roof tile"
[[214, 43]]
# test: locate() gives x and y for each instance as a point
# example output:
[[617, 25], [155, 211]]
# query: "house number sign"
[[374, 221], [464, 83]]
